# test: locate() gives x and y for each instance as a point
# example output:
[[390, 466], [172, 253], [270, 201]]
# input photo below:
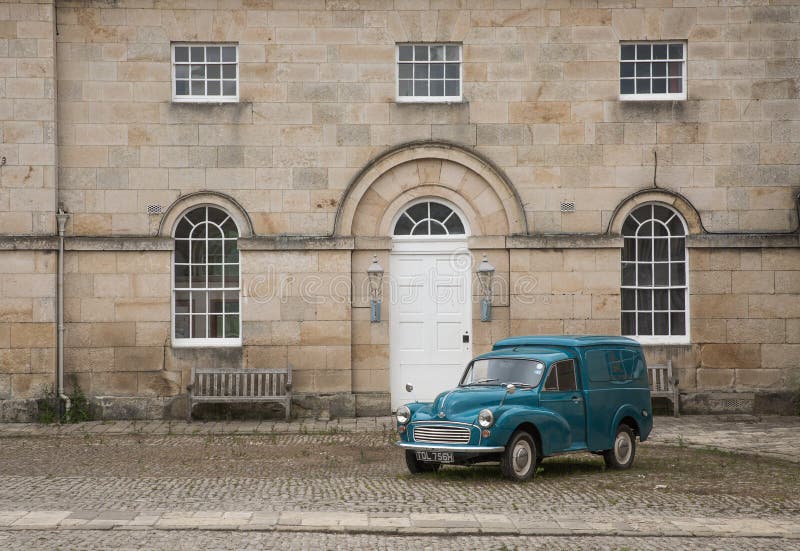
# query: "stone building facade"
[[540, 158]]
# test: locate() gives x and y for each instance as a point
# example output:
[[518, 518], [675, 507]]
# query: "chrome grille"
[[441, 434]]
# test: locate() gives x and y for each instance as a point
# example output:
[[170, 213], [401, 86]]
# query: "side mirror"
[[409, 387], [511, 389]]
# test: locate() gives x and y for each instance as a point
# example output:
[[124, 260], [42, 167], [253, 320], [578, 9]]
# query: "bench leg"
[[189, 408], [676, 399], [287, 406]]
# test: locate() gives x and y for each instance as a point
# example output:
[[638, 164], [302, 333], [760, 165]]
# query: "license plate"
[[435, 457]]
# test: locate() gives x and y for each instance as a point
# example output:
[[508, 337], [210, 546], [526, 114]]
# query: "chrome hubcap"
[[522, 457], [622, 447]]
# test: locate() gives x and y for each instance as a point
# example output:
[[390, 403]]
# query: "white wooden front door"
[[430, 330]]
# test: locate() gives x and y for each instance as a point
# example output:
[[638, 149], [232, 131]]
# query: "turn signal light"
[[486, 433], [401, 429]]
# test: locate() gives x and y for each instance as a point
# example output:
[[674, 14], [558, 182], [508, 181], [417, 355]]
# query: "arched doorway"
[[430, 299]]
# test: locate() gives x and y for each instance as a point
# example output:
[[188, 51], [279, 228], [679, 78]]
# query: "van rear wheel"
[[418, 467], [520, 458], [623, 452]]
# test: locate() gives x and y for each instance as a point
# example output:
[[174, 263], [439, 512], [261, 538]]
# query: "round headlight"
[[403, 415], [485, 418]]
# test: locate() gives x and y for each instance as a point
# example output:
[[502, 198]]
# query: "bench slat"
[[239, 385]]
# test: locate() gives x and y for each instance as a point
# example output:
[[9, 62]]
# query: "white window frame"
[[205, 342], [661, 339], [650, 96], [204, 98], [429, 99]]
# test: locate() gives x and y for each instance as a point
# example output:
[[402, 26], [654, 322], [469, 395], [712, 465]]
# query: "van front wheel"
[[519, 460], [624, 451]]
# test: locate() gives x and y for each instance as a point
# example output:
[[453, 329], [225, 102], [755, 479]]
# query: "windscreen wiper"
[[482, 381]]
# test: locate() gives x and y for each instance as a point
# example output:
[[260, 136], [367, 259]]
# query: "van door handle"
[[576, 399]]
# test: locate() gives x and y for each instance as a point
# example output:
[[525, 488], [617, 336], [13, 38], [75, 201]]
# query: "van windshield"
[[501, 371]]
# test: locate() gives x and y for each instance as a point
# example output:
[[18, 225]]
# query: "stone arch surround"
[[430, 169], [674, 200], [210, 198]]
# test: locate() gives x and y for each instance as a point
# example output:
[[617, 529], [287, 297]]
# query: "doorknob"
[[576, 399], [465, 338]]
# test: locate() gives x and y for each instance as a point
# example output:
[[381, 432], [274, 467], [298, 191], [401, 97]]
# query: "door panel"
[[430, 311], [562, 394]]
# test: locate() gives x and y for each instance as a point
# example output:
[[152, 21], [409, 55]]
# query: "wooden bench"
[[663, 384], [224, 385]]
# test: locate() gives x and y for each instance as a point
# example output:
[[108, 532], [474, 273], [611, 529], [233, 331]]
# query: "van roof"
[[563, 340], [544, 354]]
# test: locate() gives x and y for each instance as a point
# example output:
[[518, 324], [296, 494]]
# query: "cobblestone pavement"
[[302, 484]]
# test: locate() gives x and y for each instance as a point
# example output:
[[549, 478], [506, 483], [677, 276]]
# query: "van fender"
[[553, 429], [627, 410]]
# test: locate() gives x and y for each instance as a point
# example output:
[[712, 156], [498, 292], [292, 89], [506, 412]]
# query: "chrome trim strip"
[[467, 449], [443, 422]]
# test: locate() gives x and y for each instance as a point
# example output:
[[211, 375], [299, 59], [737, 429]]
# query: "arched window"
[[429, 218], [206, 279], [654, 291]]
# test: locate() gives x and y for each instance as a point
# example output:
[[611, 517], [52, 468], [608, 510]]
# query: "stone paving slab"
[[402, 523]]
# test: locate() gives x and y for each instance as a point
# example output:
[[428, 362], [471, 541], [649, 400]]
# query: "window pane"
[[418, 211], [437, 70], [661, 300], [437, 53], [660, 249], [229, 228], [231, 252], [661, 323], [676, 51], [437, 88], [644, 299], [421, 53], [198, 276], [198, 53], [675, 86], [213, 88], [198, 71], [421, 229], [420, 88], [215, 275], [231, 276], [644, 250], [628, 299], [645, 230], [643, 86], [199, 302], [643, 51], [231, 301], [229, 71], [403, 226], [439, 211], [660, 230], [406, 53], [216, 326], [630, 226], [659, 51], [676, 299], [437, 228], [182, 302], [642, 69], [629, 249], [232, 327], [628, 323], [627, 51], [661, 274], [181, 251], [404, 70], [198, 88], [455, 226], [199, 327], [421, 70], [660, 86], [551, 383], [212, 53], [181, 87], [678, 275], [452, 53], [628, 273], [182, 71], [451, 70], [626, 69], [566, 376], [181, 277], [181, 53], [677, 249], [645, 275], [213, 71], [405, 88], [659, 69], [452, 88], [643, 213], [229, 87], [215, 302], [215, 251], [181, 327], [676, 227], [678, 323], [644, 325], [626, 86], [229, 53]]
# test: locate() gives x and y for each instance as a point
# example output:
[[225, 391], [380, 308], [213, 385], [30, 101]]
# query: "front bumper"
[[447, 448]]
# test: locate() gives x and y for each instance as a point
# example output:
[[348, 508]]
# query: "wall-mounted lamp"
[[485, 274], [375, 274]]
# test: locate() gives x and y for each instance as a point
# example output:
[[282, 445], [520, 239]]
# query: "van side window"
[[561, 377]]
